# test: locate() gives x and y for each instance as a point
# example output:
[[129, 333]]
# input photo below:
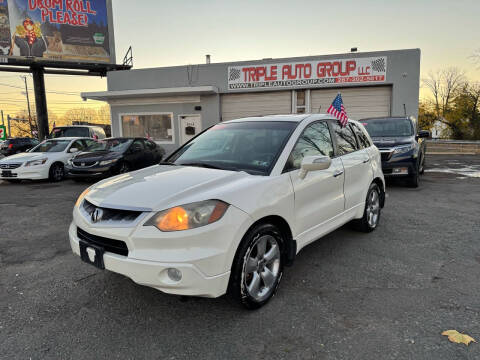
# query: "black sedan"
[[114, 156]]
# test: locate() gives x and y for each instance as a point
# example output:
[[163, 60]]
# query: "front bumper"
[[398, 165], [204, 255], [93, 172], [26, 173]]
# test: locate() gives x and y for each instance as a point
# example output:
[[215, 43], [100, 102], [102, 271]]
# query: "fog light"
[[400, 171], [174, 274]]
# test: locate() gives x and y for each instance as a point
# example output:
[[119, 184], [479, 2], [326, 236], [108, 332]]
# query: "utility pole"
[[3, 121], [28, 103], [9, 129], [40, 102]]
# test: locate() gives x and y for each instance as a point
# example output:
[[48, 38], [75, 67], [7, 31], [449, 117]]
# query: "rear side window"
[[346, 142], [361, 136], [70, 132]]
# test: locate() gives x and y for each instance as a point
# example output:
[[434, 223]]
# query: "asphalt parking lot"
[[385, 295]]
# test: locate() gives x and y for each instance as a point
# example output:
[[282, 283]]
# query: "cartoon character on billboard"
[[28, 39]]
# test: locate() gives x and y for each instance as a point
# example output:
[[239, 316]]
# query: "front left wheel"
[[258, 266], [56, 173]]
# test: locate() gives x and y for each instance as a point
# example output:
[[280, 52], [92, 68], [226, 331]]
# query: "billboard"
[[313, 73], [63, 30]]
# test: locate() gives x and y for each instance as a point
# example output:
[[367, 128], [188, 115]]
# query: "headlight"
[[82, 196], [403, 149], [36, 162], [108, 162], [189, 216]]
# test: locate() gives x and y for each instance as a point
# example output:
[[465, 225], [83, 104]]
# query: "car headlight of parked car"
[[188, 216], [403, 149], [82, 196], [108, 162], [36, 162]]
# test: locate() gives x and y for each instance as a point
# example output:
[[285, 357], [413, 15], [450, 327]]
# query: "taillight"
[[10, 146]]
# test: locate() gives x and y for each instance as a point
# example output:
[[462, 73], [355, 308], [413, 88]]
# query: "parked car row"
[[80, 158]]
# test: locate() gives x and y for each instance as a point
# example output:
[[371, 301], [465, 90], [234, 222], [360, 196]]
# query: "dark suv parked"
[[401, 144], [17, 145]]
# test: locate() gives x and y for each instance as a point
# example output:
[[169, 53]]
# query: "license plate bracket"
[[99, 251], [7, 173]]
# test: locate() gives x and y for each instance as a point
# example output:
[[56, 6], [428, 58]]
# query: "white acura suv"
[[232, 207]]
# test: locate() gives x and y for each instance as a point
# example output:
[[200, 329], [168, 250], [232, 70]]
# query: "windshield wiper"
[[202, 164], [167, 163]]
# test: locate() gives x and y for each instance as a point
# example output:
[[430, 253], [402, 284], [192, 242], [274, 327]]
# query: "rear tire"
[[258, 267], [372, 211], [422, 165], [56, 173]]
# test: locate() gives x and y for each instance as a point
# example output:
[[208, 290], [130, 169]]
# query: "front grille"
[[114, 246], [111, 214], [10, 166], [84, 163]]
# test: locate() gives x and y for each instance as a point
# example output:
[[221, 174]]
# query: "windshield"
[[51, 146], [388, 127], [252, 147], [69, 132], [115, 145]]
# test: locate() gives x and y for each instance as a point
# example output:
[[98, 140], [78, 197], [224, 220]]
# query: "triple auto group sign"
[[308, 73], [68, 30]]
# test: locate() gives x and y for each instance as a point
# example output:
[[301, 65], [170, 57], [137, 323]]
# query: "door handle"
[[337, 173]]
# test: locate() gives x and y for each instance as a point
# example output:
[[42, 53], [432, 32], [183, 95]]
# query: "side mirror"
[[314, 163], [73, 150], [423, 134]]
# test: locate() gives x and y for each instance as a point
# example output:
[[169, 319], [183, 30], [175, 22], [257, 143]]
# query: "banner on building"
[[63, 30], [308, 73]]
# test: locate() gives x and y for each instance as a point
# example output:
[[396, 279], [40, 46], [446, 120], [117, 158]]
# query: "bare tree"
[[443, 86]]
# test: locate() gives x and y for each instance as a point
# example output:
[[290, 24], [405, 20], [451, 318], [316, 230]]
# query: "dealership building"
[[173, 104]]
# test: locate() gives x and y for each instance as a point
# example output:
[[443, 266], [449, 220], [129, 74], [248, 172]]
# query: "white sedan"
[[232, 207], [44, 161]]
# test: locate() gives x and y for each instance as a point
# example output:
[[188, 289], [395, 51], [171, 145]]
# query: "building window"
[[158, 126], [301, 101]]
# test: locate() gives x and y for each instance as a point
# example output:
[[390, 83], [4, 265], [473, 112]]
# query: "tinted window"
[[388, 127], [250, 146], [138, 143], [116, 145], [70, 132], [78, 145], [150, 145], [346, 142], [315, 140], [361, 136]]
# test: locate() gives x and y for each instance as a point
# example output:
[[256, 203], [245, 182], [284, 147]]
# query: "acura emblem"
[[83, 164], [97, 215]]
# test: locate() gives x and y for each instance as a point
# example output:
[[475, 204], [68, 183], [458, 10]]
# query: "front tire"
[[56, 173], [258, 267], [123, 168], [372, 211]]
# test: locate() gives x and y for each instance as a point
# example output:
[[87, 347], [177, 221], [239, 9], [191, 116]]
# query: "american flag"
[[338, 110]]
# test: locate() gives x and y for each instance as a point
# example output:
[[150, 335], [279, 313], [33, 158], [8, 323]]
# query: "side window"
[[150, 145], [77, 144], [315, 140], [137, 144], [361, 136], [346, 141]]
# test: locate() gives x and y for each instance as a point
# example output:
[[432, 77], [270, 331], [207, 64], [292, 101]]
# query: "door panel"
[[318, 198]]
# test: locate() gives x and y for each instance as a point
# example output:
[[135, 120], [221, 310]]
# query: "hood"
[[162, 186], [97, 156], [23, 157], [388, 141]]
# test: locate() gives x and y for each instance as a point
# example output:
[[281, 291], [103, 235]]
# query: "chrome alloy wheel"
[[373, 209], [261, 267]]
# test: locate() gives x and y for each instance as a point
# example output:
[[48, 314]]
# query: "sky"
[[168, 33]]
